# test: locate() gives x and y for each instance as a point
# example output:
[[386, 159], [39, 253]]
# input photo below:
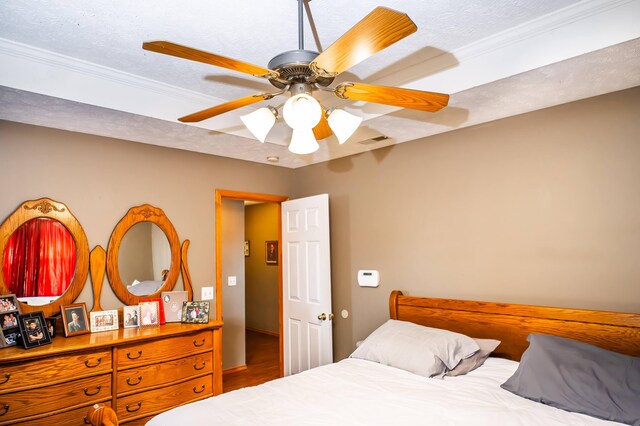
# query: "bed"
[[357, 391]]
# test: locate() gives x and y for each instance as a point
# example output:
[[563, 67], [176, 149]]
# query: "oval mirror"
[[45, 256], [143, 256]]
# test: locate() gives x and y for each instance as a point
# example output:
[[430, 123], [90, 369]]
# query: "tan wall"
[[542, 208], [101, 178], [261, 224]]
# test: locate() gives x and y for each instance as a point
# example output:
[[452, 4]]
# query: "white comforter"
[[358, 392]]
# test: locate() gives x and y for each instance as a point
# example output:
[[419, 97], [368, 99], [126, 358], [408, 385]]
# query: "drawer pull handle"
[[135, 409], [195, 343], [7, 376], [134, 357], [5, 409], [86, 391], [136, 383], [198, 391], [195, 366], [86, 363]]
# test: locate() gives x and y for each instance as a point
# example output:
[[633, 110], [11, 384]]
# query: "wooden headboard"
[[511, 324]]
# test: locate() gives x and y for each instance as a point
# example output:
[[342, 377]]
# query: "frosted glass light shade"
[[303, 141], [302, 111], [260, 122], [343, 124]]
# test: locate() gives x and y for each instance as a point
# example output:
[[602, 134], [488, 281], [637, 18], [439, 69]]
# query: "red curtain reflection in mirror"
[[39, 259]]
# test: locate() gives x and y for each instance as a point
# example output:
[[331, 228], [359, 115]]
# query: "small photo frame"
[[9, 337], [8, 303], [104, 320], [9, 319], [33, 329], [172, 302], [195, 312], [51, 326], [149, 314], [271, 252], [160, 307], [74, 318], [247, 248], [131, 316]]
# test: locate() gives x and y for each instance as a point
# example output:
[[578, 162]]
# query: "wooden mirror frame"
[[143, 213], [48, 208]]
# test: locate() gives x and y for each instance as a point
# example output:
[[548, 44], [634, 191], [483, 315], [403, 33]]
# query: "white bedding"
[[359, 392]]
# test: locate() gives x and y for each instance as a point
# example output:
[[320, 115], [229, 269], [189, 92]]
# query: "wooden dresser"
[[138, 372]]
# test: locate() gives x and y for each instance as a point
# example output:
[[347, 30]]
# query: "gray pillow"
[[421, 350], [476, 360], [576, 376]]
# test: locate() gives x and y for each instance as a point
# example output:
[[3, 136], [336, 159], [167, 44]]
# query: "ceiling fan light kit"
[[343, 124], [301, 72], [260, 121]]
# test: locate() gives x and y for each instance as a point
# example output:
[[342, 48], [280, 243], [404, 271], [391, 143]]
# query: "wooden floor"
[[262, 358]]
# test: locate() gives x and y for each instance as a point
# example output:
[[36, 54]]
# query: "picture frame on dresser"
[[195, 312], [173, 301], [9, 311], [150, 314], [33, 329], [75, 319], [104, 320], [131, 316]]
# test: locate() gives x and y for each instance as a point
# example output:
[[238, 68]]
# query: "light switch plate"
[[231, 281], [207, 293]]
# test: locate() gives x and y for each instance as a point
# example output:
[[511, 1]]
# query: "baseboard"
[[237, 369], [268, 333]]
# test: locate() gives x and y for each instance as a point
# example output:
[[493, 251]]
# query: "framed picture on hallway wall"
[[271, 252]]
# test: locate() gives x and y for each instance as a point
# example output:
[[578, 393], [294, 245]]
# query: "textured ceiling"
[[79, 65]]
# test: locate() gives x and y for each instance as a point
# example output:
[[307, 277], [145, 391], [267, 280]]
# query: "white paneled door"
[[306, 277]]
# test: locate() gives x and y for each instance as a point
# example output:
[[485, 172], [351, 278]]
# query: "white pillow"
[[421, 350]]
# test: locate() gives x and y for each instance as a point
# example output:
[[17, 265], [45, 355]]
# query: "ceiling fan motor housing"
[[293, 66]]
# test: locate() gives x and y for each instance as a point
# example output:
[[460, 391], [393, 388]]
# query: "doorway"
[[222, 195]]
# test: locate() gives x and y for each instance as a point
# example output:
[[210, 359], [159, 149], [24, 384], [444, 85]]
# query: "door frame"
[[224, 194]]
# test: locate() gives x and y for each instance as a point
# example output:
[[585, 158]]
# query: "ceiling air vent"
[[374, 140]]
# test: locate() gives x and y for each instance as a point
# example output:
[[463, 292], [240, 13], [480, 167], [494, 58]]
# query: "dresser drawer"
[[75, 417], [41, 372], [138, 378], [165, 349], [157, 400], [30, 402]]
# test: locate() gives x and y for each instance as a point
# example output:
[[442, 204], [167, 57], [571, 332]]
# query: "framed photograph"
[[172, 302], [150, 314], [8, 303], [247, 245], [9, 319], [51, 326], [33, 329], [271, 252], [131, 316], [104, 320], [195, 312], [160, 307], [9, 337], [75, 319]]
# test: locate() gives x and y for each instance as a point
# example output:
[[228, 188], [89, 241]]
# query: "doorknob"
[[323, 316]]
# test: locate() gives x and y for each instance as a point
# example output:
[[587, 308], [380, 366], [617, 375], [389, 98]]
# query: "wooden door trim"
[[249, 196]]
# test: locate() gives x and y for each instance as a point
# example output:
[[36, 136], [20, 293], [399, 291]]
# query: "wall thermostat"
[[368, 278]]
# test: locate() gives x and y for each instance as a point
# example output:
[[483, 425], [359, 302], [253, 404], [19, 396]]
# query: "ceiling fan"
[[300, 72]]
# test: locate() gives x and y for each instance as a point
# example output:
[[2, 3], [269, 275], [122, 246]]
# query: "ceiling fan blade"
[[395, 96], [376, 31], [221, 109], [322, 129], [168, 48]]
